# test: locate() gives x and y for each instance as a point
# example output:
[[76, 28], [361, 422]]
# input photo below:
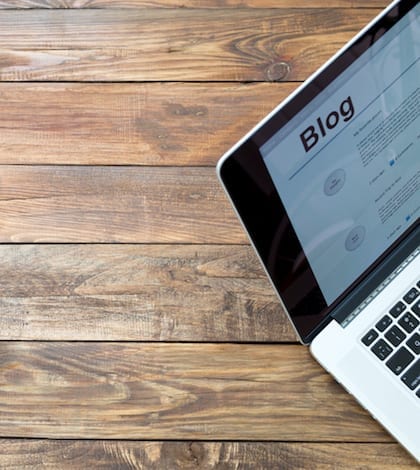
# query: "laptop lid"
[[327, 186]]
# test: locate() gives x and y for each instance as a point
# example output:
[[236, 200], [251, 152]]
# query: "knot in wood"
[[278, 71], [196, 453]]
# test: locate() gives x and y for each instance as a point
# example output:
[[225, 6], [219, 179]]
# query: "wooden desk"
[[137, 328]]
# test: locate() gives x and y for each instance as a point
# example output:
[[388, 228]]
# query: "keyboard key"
[[411, 295], [397, 309], [408, 322], [400, 360], [414, 343], [412, 377], [369, 337], [395, 336], [383, 323], [416, 308], [381, 349], [418, 393]]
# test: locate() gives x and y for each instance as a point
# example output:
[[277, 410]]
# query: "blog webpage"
[[348, 167]]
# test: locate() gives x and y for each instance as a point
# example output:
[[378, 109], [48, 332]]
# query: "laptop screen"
[[347, 167], [327, 186]]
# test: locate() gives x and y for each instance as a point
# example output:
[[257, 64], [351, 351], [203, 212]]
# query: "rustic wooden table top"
[[137, 328]]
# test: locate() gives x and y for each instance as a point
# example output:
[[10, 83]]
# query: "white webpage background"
[[378, 192]]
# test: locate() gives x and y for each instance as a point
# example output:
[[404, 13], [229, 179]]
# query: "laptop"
[[328, 188]]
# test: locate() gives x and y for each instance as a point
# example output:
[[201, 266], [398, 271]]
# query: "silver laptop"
[[328, 188]]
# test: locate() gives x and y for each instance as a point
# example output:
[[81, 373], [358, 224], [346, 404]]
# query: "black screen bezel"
[[258, 204]]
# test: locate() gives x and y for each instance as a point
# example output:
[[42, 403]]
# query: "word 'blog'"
[[312, 134]]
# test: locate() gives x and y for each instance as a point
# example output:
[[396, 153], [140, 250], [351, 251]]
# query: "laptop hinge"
[[376, 281]]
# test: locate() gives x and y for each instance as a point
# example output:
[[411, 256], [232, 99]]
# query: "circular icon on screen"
[[355, 238], [334, 182]]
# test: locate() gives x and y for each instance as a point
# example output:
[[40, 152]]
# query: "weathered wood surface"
[[174, 333], [166, 390], [115, 204], [16, 4], [167, 44], [141, 124], [151, 455], [137, 293]]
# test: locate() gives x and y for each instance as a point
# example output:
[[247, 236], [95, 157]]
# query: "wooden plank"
[[172, 44], [17, 4], [115, 204], [141, 124], [131, 293], [74, 455], [182, 391]]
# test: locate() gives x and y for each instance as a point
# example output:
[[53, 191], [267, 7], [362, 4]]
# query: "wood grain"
[[141, 124], [177, 391], [75, 455], [172, 44], [137, 293], [115, 204], [17, 4], [177, 354]]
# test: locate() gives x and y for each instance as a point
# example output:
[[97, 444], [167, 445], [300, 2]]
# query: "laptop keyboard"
[[395, 339]]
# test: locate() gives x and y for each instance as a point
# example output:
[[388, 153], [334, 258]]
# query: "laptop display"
[[347, 168], [334, 176]]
